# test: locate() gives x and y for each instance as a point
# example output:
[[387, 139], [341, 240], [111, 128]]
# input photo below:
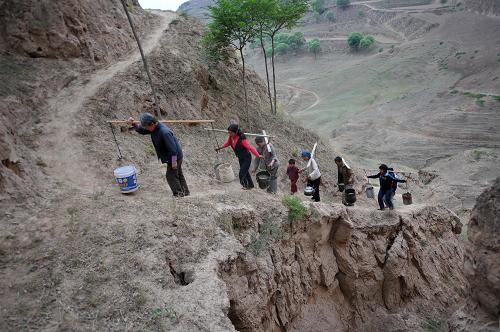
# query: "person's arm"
[[256, 165], [314, 167], [395, 179], [350, 176], [250, 148], [137, 127], [228, 142], [376, 176], [274, 157]]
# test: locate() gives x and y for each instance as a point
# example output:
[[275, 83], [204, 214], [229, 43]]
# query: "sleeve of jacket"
[[141, 130], [393, 178], [250, 148], [170, 145], [376, 176]]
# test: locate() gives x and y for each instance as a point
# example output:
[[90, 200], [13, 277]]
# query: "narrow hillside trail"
[[61, 148], [302, 90]]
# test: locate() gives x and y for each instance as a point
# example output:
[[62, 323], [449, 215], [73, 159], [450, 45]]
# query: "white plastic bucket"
[[126, 178]]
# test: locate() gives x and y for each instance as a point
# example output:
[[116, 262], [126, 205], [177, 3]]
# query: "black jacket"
[[386, 180], [164, 141]]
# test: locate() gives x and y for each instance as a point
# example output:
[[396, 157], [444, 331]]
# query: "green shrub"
[[330, 16], [318, 6], [434, 325], [343, 3], [361, 13], [366, 42], [296, 210], [354, 39]]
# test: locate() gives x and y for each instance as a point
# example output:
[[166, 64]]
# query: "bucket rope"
[[120, 157]]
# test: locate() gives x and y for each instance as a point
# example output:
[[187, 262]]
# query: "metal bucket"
[[341, 187], [407, 199], [370, 192], [263, 178], [350, 196], [308, 191]]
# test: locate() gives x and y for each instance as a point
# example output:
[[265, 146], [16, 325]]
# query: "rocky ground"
[[75, 254]]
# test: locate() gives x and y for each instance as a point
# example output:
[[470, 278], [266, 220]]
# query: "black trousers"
[[176, 180], [315, 184], [244, 175]]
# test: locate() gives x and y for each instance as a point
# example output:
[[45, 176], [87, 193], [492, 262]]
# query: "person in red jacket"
[[238, 142]]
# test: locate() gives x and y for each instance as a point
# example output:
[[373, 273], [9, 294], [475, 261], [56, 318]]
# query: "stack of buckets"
[[126, 178]]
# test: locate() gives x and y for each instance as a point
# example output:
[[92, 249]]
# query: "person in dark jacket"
[[168, 150], [345, 176], [386, 185], [238, 142]]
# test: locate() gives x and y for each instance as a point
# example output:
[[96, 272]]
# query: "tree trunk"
[[274, 75], [267, 73], [245, 87], [146, 67]]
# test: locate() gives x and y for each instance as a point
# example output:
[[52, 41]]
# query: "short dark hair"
[[148, 119], [292, 161], [338, 158], [383, 167]]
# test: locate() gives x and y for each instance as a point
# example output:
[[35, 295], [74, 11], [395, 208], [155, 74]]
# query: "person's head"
[[260, 141], [148, 122], [233, 130], [383, 168], [291, 162], [339, 161], [306, 155]]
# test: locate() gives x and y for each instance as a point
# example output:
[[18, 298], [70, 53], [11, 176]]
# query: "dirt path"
[[314, 94], [60, 147]]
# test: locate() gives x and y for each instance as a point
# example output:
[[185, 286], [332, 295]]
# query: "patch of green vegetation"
[[458, 55], [358, 40], [434, 325], [168, 312], [480, 153], [361, 13], [330, 16], [454, 92], [268, 232], [480, 102], [296, 210], [380, 50], [497, 98], [474, 95], [443, 65]]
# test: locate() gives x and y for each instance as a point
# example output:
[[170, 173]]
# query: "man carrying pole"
[[168, 150]]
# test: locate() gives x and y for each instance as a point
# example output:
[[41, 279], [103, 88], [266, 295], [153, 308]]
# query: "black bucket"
[[263, 178], [350, 196], [407, 199]]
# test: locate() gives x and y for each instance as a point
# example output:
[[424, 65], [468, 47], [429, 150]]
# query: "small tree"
[[343, 3], [282, 48], [366, 42], [314, 47], [354, 40], [318, 6], [330, 16]]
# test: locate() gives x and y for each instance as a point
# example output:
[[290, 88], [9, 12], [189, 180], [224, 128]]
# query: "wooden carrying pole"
[[312, 154], [247, 134], [118, 122]]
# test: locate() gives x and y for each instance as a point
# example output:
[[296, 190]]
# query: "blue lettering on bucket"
[[127, 183]]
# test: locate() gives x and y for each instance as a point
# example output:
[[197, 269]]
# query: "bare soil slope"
[[427, 102], [75, 254]]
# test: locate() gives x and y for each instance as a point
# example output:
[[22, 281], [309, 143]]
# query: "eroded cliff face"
[[350, 269], [97, 30]]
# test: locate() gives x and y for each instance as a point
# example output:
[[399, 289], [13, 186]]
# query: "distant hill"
[[196, 8]]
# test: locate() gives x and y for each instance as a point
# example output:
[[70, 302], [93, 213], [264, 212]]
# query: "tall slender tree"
[[286, 14], [233, 25]]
